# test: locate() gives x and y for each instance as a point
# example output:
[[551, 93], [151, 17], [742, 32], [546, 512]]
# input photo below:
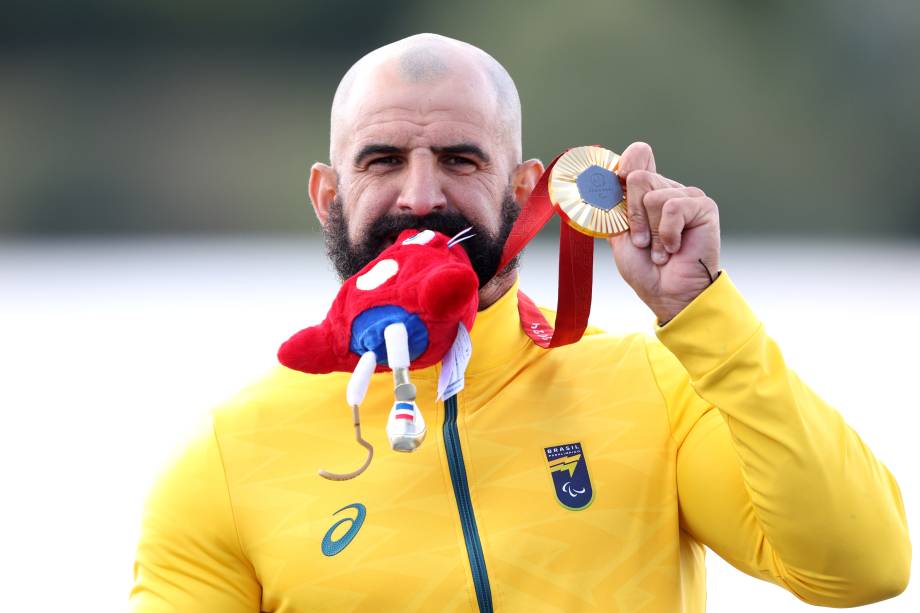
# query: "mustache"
[[484, 249], [388, 227]]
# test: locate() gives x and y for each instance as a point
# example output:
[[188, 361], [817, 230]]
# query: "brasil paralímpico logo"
[[569, 471]]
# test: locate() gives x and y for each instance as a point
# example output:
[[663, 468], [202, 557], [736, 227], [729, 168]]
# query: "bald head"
[[422, 62]]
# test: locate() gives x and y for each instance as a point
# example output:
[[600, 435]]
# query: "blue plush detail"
[[367, 331]]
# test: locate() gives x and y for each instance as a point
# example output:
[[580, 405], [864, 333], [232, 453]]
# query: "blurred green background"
[[168, 116]]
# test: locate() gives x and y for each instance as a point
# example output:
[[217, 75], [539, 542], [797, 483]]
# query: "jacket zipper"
[[465, 506]]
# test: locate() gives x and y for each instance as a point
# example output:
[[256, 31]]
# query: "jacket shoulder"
[[280, 395]]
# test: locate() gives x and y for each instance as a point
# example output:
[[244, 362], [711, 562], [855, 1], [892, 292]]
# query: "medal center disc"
[[599, 187]]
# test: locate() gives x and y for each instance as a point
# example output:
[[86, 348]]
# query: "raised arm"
[[768, 475]]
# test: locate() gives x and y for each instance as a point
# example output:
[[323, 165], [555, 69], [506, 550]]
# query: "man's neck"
[[496, 288]]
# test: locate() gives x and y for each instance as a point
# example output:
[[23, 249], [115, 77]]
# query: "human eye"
[[458, 161], [386, 160]]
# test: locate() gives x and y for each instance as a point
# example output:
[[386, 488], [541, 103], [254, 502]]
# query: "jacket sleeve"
[[768, 475], [189, 557]]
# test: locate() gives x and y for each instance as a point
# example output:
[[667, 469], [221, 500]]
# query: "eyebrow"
[[458, 149], [375, 149], [463, 149]]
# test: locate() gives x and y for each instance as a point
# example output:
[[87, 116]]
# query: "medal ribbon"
[[576, 270]]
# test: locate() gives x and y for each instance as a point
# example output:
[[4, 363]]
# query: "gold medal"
[[587, 193]]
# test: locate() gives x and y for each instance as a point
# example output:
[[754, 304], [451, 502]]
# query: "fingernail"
[[640, 239], [659, 257]]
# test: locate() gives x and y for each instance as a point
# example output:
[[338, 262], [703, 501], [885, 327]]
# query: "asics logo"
[[332, 546]]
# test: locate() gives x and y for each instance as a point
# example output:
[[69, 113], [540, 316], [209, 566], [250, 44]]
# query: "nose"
[[422, 191]]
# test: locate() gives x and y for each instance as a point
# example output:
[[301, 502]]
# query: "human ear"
[[323, 187], [524, 179]]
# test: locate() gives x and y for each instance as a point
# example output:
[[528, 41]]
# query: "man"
[[702, 438]]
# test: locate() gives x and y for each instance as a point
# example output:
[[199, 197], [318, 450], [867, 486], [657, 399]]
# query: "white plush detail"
[[378, 275], [360, 379], [421, 238], [397, 341]]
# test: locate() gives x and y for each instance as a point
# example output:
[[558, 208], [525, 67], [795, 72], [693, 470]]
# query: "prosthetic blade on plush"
[[354, 395], [403, 308]]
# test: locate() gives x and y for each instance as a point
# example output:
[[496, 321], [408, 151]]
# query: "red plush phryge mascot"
[[404, 311]]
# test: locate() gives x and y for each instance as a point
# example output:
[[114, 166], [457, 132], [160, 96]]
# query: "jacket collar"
[[497, 337]]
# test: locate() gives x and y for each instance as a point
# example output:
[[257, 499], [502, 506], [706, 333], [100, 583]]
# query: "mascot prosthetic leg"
[[402, 311]]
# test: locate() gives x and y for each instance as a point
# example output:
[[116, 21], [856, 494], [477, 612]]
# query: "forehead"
[[385, 107]]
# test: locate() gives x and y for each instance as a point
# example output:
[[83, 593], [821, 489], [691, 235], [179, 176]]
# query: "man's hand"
[[671, 229]]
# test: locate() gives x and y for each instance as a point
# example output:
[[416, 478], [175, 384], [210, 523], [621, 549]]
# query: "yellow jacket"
[[702, 438]]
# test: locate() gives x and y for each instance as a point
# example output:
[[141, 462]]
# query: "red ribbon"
[[576, 270]]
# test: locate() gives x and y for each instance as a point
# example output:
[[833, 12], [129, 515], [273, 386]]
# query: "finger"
[[638, 156], [653, 214], [682, 213], [653, 202], [638, 184]]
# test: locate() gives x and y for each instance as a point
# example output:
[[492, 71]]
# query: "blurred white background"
[[110, 350]]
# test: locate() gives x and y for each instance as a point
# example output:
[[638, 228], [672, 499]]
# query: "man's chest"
[[529, 498]]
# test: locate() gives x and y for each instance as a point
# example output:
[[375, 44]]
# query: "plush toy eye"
[[378, 275], [421, 238]]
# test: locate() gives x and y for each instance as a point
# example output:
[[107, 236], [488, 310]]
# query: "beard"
[[484, 250]]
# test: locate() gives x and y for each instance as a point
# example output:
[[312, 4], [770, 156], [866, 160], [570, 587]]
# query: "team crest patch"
[[569, 471]]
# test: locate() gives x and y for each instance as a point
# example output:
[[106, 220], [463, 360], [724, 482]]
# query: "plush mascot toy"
[[402, 311]]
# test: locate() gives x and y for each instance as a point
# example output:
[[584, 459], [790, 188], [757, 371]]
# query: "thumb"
[[629, 259]]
